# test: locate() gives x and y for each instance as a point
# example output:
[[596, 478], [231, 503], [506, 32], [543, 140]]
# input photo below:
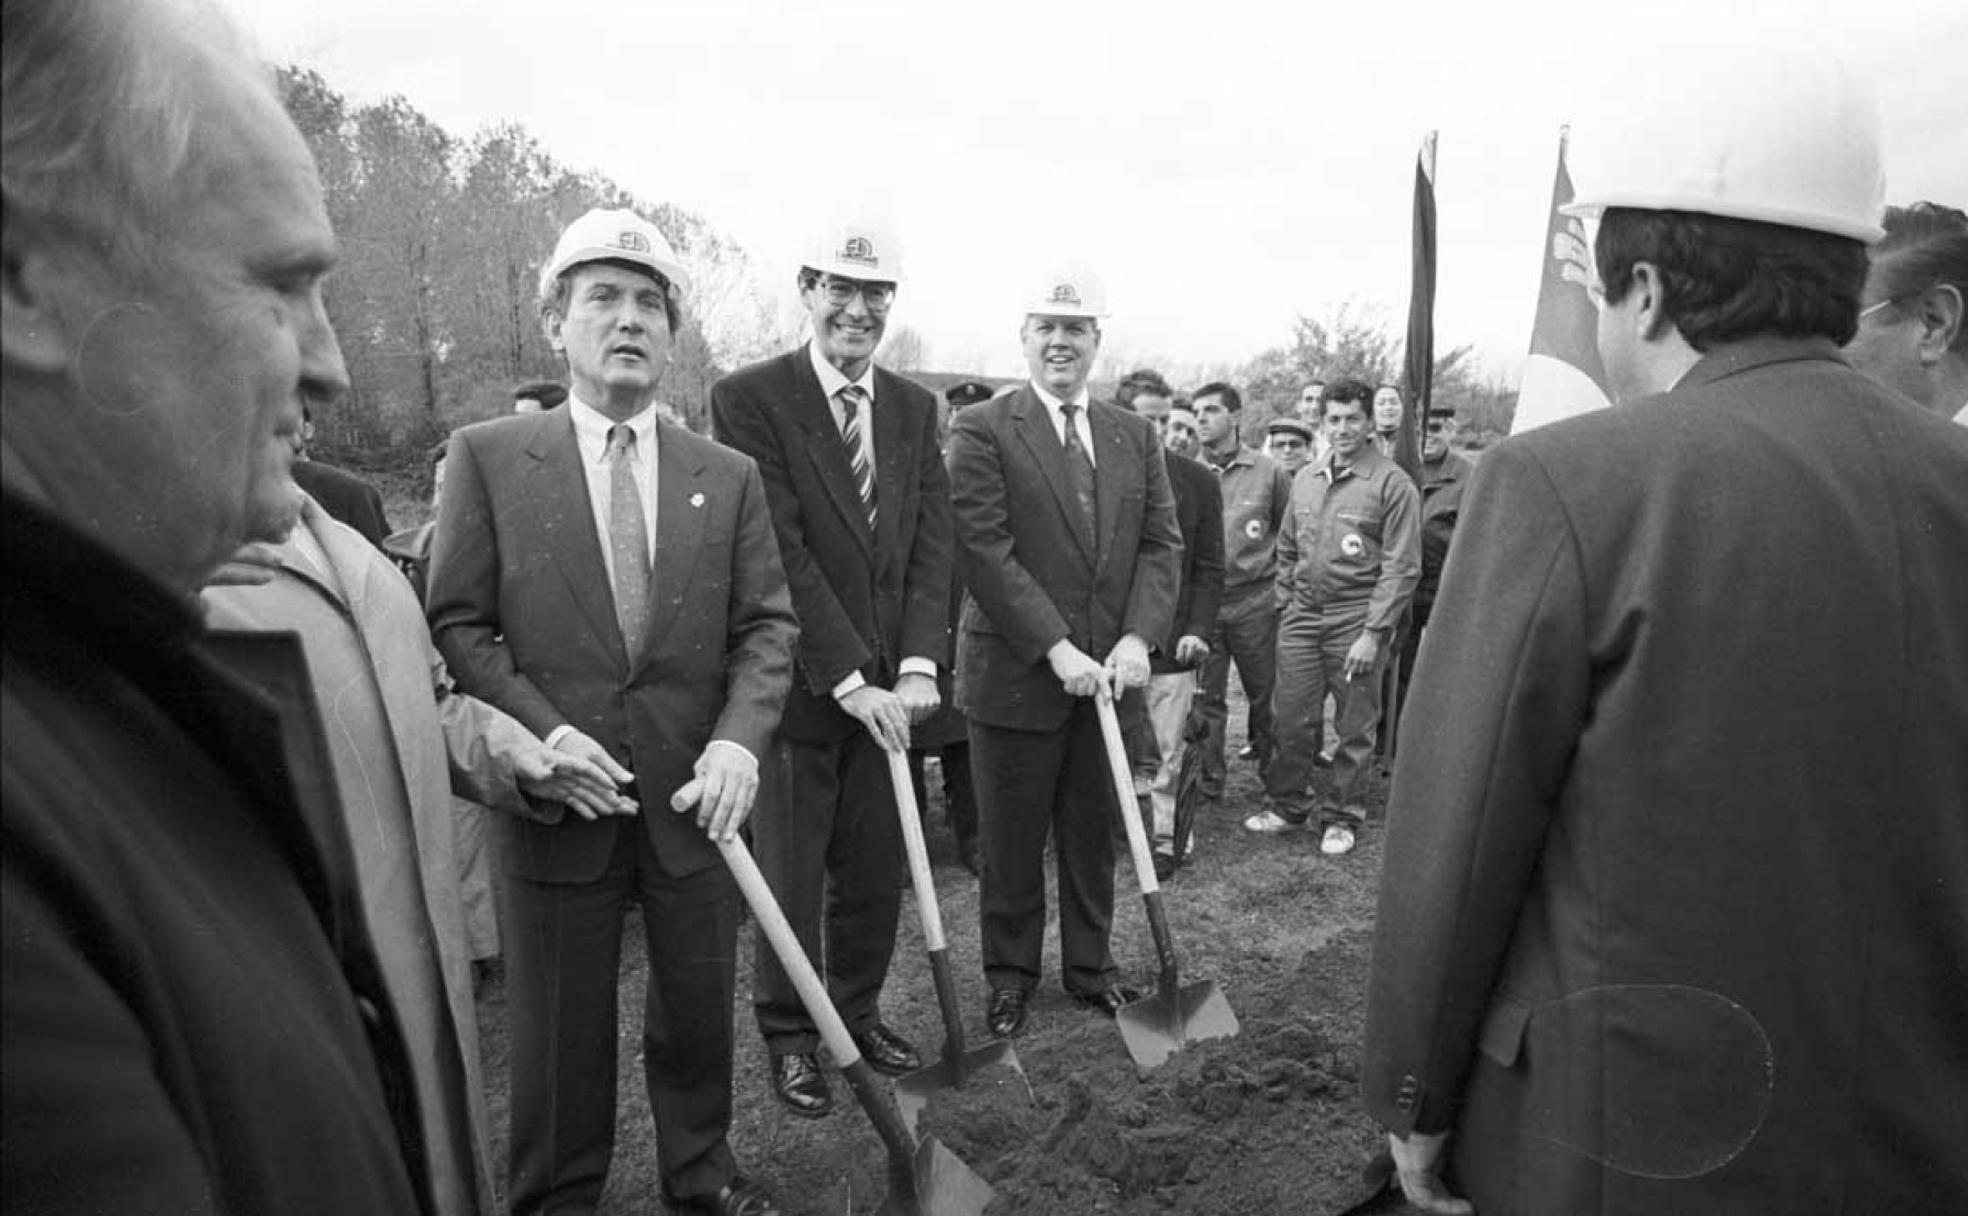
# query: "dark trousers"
[[1246, 633], [959, 795], [563, 954], [1029, 782], [828, 841]]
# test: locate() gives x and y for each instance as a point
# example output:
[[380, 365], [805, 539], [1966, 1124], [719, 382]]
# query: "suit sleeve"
[[926, 585], [1158, 558], [464, 596], [761, 629], [1017, 606], [1206, 564], [830, 647], [1400, 554], [1500, 696], [483, 746]]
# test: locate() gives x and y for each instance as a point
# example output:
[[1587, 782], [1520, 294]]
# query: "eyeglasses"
[[1873, 308], [841, 292], [1439, 428]]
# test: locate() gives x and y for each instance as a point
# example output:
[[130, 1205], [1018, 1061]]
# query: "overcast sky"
[[1226, 167]]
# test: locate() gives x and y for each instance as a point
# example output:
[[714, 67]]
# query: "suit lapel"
[[893, 468], [683, 497], [1116, 456], [558, 488], [1034, 423], [826, 450]]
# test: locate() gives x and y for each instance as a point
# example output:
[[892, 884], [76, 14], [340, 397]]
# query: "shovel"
[[924, 1178], [913, 1090], [1159, 1024]]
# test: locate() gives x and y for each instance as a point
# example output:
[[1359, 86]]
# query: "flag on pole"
[[1420, 348], [1563, 376]]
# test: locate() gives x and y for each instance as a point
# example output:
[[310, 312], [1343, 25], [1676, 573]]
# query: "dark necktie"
[[1079, 467], [628, 538], [852, 399]]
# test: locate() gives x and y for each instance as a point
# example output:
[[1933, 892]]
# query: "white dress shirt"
[[1055, 411], [832, 382], [591, 428]]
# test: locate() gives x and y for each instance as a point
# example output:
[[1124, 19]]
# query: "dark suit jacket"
[[520, 606], [1199, 515], [865, 601], [194, 1016], [1032, 580], [346, 497], [1672, 917]]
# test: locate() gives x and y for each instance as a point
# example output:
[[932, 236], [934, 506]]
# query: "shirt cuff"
[[916, 665], [853, 683], [737, 747], [558, 733]]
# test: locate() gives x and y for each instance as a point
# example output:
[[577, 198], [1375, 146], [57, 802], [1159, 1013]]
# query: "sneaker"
[[1337, 842], [1271, 822]]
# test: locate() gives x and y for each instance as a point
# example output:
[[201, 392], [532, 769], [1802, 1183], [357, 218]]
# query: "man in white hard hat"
[[612, 581], [1671, 918], [854, 475], [1067, 539], [1912, 334]]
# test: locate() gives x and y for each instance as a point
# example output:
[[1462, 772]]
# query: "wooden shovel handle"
[[918, 849], [785, 944]]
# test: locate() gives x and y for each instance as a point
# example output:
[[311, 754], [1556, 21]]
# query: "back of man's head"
[[1726, 279], [1141, 380]]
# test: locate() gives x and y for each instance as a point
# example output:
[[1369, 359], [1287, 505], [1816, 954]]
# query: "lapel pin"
[[696, 500]]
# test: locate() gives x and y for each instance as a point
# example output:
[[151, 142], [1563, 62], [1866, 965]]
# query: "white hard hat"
[[1784, 137], [859, 248], [1069, 291], [613, 236]]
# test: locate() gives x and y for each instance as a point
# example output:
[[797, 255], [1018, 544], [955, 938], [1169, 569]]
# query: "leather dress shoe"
[[739, 1198], [887, 1052], [1108, 1000], [1164, 866], [798, 1082], [1004, 1013]]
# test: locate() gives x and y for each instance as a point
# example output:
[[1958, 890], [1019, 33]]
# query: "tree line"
[[435, 298]]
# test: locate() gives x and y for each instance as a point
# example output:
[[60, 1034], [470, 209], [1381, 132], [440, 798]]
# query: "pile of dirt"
[[1266, 1121]]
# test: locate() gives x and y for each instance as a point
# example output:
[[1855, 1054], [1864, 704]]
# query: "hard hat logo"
[[632, 241], [859, 250], [1066, 293]]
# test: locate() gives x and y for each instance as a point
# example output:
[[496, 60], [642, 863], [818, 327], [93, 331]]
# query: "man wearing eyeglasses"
[[854, 476], [1912, 336]]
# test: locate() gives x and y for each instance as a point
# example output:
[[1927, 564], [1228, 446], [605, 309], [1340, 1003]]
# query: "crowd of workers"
[[1671, 915]]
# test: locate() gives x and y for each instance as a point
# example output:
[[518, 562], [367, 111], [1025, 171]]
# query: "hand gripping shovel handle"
[[813, 994], [1144, 861], [932, 914]]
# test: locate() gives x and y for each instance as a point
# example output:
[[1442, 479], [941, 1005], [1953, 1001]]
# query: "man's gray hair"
[[104, 102]]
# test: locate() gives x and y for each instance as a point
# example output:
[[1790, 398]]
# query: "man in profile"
[[194, 1018], [1912, 335]]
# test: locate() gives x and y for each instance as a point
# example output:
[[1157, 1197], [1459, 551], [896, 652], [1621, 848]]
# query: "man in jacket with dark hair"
[[1672, 912]]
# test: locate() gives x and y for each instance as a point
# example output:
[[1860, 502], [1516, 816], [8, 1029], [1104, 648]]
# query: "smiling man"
[[1349, 555], [854, 475], [1068, 543], [612, 581]]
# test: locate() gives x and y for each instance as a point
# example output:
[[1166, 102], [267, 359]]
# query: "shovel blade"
[[913, 1090], [1159, 1024], [944, 1186]]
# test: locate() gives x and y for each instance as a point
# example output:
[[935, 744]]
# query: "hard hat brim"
[[1589, 207]]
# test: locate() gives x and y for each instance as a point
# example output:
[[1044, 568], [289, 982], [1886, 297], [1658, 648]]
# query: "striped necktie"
[[628, 539], [852, 398]]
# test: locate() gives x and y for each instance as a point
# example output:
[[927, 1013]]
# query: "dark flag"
[[1563, 376], [1420, 350]]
